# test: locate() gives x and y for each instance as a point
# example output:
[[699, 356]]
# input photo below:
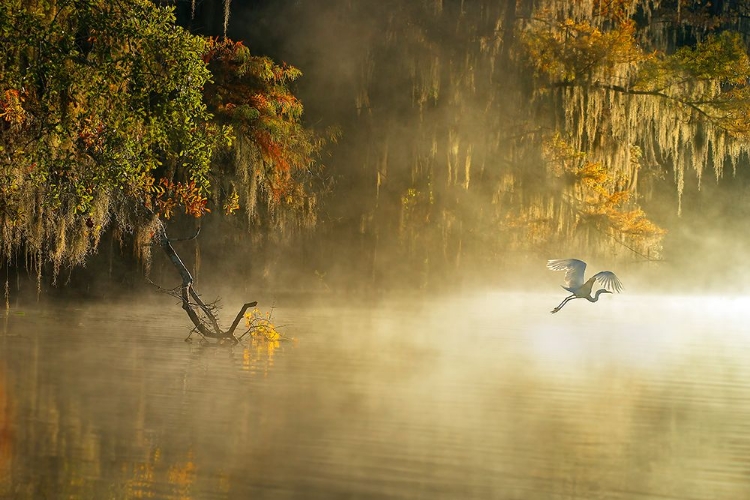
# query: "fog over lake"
[[483, 395]]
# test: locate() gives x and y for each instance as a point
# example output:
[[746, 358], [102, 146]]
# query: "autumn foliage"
[[111, 114], [275, 152]]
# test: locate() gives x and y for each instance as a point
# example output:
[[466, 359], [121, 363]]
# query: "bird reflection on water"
[[574, 283]]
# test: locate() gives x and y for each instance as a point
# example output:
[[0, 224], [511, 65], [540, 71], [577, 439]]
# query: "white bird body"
[[574, 272]]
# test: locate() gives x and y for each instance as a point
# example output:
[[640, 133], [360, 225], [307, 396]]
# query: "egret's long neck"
[[596, 295], [585, 289]]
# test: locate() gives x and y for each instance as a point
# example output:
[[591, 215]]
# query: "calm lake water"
[[479, 396]]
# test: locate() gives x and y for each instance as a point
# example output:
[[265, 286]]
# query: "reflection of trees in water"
[[6, 435], [142, 479], [259, 342], [130, 420], [257, 357], [435, 414], [615, 436]]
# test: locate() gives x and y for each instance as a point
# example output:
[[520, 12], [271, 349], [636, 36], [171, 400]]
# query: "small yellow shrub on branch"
[[260, 327]]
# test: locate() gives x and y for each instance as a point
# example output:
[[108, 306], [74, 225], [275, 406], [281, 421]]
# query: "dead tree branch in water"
[[201, 314]]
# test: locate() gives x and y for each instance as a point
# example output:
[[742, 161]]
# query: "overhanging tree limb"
[[654, 93]]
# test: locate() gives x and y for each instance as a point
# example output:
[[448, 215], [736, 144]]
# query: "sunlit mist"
[[470, 395], [375, 249]]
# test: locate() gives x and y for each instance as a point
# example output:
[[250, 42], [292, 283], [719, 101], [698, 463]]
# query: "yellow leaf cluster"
[[570, 50], [260, 327], [593, 190], [635, 222], [232, 204]]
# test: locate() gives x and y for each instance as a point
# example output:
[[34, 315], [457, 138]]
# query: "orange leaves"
[[635, 222], [261, 103], [276, 103], [273, 151], [91, 134], [11, 109], [618, 198], [221, 47], [595, 190], [565, 161], [594, 176], [230, 58], [166, 196], [276, 155]]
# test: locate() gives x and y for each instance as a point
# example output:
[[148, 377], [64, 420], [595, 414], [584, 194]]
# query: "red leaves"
[[275, 154], [167, 196], [251, 94], [218, 47], [92, 134], [273, 151]]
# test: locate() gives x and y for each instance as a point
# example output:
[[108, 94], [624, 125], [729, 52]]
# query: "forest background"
[[443, 143]]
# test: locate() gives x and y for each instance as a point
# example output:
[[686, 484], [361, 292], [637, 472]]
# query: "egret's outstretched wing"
[[609, 281], [573, 268]]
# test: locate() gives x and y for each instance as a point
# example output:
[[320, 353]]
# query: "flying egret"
[[574, 283]]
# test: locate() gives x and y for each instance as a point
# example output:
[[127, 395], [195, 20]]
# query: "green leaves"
[[109, 112], [96, 98], [721, 57]]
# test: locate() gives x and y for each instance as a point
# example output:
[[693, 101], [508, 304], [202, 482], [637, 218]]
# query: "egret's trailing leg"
[[565, 301]]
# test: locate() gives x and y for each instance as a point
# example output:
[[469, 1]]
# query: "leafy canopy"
[[110, 114]]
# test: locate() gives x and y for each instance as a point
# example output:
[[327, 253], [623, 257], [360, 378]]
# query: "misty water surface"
[[479, 396]]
